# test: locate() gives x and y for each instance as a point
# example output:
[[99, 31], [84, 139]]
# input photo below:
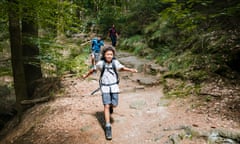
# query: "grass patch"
[[176, 88]]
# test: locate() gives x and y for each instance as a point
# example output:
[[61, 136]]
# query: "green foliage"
[[160, 35], [191, 38], [107, 16], [141, 14], [5, 71], [180, 89], [58, 59], [129, 43], [56, 16], [3, 26], [137, 45]]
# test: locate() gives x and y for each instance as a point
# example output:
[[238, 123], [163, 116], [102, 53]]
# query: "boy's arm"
[[129, 70], [89, 73]]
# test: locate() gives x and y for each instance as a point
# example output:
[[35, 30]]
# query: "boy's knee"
[[106, 106], [114, 105]]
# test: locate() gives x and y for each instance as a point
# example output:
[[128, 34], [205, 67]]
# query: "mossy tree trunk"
[[16, 53], [32, 67]]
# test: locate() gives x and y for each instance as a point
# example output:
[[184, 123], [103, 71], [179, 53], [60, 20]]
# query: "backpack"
[[96, 44], [114, 69]]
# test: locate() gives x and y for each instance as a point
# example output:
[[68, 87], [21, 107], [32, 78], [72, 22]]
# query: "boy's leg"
[[108, 129], [109, 99], [114, 97], [111, 109], [106, 98], [96, 57], [107, 114]]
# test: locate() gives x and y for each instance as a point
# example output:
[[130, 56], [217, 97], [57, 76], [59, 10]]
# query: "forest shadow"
[[101, 119]]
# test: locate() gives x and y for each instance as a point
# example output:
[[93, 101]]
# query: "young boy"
[[109, 84], [97, 42]]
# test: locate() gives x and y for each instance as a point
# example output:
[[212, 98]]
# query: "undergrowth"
[[65, 57], [197, 58]]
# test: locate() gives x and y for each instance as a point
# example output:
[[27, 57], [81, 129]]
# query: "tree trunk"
[[16, 53], [32, 67]]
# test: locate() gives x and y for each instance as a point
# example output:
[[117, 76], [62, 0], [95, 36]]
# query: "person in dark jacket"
[[113, 34]]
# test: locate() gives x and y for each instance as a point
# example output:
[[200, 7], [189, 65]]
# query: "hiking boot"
[[111, 109], [108, 132]]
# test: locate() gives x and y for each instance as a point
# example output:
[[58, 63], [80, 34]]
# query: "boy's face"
[[108, 56]]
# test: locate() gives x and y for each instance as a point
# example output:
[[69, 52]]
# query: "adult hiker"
[[112, 33], [97, 42], [108, 66]]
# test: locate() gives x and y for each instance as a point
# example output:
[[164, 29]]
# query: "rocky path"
[[143, 116]]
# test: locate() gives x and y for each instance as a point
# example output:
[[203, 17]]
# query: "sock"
[[108, 124]]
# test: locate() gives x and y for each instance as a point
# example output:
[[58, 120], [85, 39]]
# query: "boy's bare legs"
[[108, 129], [111, 108], [107, 113]]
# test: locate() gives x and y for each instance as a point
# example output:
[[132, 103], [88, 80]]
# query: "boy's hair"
[[108, 49]]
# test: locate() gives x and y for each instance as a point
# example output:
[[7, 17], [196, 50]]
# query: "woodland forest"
[[41, 41]]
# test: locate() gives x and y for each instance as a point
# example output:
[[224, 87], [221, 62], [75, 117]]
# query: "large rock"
[[152, 68], [143, 65], [138, 104], [148, 81], [133, 62], [223, 137]]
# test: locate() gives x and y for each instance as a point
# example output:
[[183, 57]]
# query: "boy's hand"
[[84, 76], [134, 70]]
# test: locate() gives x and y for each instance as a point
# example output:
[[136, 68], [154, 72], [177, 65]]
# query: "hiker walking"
[[112, 33], [97, 42], [108, 66]]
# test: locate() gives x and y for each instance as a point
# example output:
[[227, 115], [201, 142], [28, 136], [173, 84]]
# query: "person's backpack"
[[94, 43], [114, 69]]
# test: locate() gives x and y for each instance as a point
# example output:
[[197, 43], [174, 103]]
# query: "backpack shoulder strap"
[[101, 74], [115, 69], [103, 69]]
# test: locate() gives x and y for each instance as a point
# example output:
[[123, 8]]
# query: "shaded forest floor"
[[144, 115]]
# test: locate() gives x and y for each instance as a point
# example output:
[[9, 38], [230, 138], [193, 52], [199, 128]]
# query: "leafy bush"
[[57, 59]]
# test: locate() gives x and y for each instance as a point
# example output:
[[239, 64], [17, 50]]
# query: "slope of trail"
[[143, 115]]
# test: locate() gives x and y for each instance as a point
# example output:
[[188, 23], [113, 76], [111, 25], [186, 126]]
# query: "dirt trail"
[[143, 116]]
